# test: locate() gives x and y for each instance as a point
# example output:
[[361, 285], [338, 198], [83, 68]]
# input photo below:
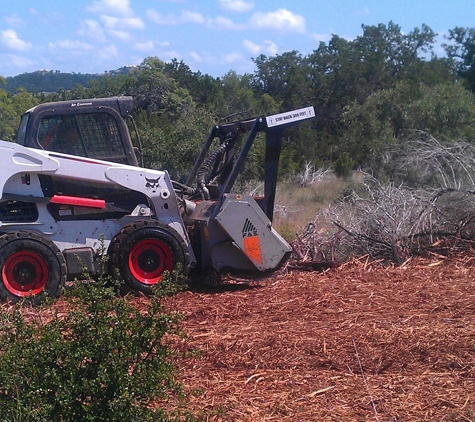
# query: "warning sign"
[[290, 117]]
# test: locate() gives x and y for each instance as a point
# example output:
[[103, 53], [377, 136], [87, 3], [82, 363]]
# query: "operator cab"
[[93, 128]]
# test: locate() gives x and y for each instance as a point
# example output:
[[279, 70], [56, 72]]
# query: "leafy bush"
[[342, 166], [102, 360]]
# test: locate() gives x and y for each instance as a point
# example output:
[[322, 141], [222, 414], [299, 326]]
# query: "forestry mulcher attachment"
[[73, 193]]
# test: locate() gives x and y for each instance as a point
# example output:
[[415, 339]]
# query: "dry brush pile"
[[392, 222]]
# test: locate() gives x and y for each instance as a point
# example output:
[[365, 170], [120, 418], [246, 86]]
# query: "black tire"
[[32, 268], [142, 252]]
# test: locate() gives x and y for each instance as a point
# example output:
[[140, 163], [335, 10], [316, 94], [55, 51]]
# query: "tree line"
[[372, 96], [46, 81]]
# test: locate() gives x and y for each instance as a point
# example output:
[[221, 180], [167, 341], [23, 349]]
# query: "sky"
[[210, 36]]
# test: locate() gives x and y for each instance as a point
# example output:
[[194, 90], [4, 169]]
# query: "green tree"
[[202, 88], [276, 76], [461, 50], [236, 100], [387, 117], [11, 109], [343, 72], [342, 166], [446, 112]]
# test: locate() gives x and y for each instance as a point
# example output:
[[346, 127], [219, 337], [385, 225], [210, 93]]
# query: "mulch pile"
[[354, 343]]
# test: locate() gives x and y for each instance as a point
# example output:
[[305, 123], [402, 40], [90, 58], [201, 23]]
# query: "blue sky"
[[211, 36]]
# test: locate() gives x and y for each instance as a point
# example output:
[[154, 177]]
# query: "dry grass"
[[297, 206]]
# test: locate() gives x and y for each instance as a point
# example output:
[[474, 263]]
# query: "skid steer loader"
[[72, 191]]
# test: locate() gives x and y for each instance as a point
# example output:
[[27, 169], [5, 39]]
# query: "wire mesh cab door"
[[90, 128]]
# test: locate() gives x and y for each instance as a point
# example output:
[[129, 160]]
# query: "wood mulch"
[[355, 343]]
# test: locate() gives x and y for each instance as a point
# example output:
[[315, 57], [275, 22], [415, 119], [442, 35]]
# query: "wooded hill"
[[49, 81], [46, 81], [372, 95]]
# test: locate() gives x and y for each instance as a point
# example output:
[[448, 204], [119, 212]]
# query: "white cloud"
[[159, 19], [233, 58], [112, 22], [116, 16], [440, 39], [362, 12], [322, 37], [236, 5], [114, 7], [10, 38], [71, 45], [191, 17], [281, 19], [108, 52], [224, 23], [14, 20], [239, 63], [186, 16], [171, 54], [93, 30], [270, 48], [252, 47], [145, 46], [19, 61], [120, 35], [196, 57]]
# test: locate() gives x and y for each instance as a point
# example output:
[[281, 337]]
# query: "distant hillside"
[[53, 80]]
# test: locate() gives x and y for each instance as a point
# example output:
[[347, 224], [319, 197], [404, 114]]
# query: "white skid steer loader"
[[72, 191]]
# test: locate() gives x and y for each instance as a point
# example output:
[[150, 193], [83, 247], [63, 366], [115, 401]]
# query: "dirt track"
[[355, 343]]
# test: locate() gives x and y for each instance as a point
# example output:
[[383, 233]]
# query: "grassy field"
[[298, 205]]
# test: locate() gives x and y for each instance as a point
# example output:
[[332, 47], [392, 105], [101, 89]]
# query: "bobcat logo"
[[152, 183]]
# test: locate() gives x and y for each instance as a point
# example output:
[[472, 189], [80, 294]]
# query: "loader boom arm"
[[273, 126]]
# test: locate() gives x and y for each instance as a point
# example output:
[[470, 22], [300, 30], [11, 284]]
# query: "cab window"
[[94, 135], [21, 136], [61, 134]]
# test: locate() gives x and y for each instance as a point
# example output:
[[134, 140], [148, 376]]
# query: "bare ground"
[[354, 343]]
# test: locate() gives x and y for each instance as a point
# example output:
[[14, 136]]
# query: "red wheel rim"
[[25, 273], [148, 260]]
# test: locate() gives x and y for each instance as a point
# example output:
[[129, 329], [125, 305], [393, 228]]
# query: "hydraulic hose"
[[206, 167]]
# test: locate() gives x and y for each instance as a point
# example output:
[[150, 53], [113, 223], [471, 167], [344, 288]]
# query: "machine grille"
[[18, 212]]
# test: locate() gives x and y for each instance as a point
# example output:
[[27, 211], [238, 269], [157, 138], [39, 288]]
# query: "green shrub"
[[342, 166], [102, 360]]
